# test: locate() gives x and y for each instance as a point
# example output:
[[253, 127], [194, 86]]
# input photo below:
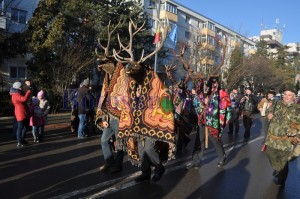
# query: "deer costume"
[[147, 125], [110, 105], [212, 106]]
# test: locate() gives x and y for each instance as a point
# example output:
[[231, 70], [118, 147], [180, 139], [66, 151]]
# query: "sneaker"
[[158, 174], [105, 167], [222, 162], [192, 164], [142, 178], [19, 145]]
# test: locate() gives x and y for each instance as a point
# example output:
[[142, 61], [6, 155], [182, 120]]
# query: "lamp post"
[[158, 16]]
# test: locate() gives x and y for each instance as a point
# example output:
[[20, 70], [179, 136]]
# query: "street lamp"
[[157, 7]]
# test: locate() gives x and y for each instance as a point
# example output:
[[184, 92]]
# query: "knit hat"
[[41, 94], [290, 87], [85, 82], [17, 85]]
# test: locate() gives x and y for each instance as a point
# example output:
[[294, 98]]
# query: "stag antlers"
[[133, 27], [190, 72], [106, 49], [224, 48]]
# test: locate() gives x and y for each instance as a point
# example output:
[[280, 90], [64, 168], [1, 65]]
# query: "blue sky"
[[246, 17]]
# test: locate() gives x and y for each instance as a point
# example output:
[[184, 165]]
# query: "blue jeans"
[[35, 132], [82, 124], [112, 129], [21, 131]]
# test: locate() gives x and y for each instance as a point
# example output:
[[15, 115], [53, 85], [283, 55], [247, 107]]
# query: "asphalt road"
[[64, 167]]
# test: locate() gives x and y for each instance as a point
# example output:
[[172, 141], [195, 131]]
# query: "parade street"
[[64, 166]]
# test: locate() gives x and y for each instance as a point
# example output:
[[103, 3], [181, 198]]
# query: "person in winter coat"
[[44, 105], [21, 110], [36, 119], [84, 99], [248, 104], [283, 136]]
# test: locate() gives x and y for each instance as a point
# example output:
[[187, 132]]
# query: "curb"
[[57, 126]]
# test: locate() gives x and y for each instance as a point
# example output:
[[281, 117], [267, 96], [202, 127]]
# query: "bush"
[[6, 107]]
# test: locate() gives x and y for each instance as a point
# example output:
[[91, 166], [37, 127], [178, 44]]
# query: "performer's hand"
[[105, 124], [295, 140]]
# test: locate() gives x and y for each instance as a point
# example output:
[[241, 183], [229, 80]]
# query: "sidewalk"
[[55, 121]]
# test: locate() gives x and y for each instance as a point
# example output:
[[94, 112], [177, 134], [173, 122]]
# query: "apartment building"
[[194, 28], [14, 15]]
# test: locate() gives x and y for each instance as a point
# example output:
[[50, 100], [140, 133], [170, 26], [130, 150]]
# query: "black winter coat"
[[85, 100]]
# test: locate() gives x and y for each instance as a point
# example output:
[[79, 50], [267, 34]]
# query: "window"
[[200, 24], [150, 22], [17, 72], [152, 3], [154, 23], [188, 19], [187, 34], [169, 8], [18, 15], [209, 25]]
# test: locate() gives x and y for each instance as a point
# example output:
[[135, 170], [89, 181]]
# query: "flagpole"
[[158, 16]]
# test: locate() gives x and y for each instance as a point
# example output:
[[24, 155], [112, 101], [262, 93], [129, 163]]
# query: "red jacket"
[[19, 101]]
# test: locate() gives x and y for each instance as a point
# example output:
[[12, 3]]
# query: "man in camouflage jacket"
[[280, 141]]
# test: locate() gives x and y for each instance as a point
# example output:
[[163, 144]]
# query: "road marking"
[[127, 181]]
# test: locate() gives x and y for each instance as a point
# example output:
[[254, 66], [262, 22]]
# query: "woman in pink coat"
[[21, 110]]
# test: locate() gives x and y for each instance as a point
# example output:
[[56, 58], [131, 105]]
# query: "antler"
[[169, 68], [164, 27], [128, 49], [132, 25], [224, 48], [109, 33], [190, 72]]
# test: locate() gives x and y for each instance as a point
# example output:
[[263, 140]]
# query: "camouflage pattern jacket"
[[280, 125]]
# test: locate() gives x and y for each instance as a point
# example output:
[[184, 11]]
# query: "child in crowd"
[[44, 105], [36, 119]]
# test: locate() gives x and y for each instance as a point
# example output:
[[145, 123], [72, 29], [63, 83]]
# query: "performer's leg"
[[198, 148], [106, 149], [219, 149], [118, 160], [145, 163], [154, 158]]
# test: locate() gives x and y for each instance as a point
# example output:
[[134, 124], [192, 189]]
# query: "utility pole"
[[156, 45]]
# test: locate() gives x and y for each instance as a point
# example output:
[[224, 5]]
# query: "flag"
[[173, 35], [157, 35]]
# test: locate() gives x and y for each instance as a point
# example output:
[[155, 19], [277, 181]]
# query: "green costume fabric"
[[284, 116]]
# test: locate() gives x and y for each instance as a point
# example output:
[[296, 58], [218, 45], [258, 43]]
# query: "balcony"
[[208, 46], [206, 31], [234, 43], [207, 61], [171, 16]]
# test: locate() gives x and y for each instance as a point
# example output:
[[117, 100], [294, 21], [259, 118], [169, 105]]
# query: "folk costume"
[[147, 124], [284, 128], [185, 117], [198, 96], [214, 111], [109, 110]]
